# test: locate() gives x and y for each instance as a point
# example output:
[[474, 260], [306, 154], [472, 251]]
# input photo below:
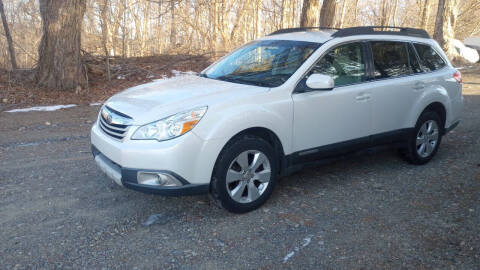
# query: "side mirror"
[[320, 82]]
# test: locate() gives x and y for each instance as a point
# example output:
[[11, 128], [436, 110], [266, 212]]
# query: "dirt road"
[[57, 210]]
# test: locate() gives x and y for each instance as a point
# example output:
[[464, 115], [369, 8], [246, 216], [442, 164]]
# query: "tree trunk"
[[59, 64], [104, 26], [309, 13], [356, 13], [327, 13], [342, 17], [172, 24], [445, 25], [395, 11], [11, 49], [384, 17], [425, 14], [124, 29]]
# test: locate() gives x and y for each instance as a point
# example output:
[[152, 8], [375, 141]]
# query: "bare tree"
[[445, 25], [327, 13], [173, 31], [59, 64], [104, 25], [309, 13], [355, 14], [11, 49], [384, 17], [342, 17], [425, 14], [395, 11], [144, 27]]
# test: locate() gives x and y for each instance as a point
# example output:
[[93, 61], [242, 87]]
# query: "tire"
[[249, 165], [422, 147]]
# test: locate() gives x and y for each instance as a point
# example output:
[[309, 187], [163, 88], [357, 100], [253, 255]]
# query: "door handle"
[[362, 97], [419, 85]]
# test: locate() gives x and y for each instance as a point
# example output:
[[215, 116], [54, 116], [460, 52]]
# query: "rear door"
[[394, 88]]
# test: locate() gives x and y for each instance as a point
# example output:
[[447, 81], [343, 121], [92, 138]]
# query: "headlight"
[[170, 127]]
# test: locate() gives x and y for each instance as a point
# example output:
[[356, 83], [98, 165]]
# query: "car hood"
[[159, 99]]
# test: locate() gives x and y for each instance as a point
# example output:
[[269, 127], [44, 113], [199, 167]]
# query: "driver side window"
[[345, 64]]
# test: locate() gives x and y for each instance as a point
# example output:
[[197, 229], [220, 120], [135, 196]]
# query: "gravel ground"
[[57, 210]]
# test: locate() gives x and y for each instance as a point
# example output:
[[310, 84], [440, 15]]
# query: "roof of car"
[[321, 35], [311, 36]]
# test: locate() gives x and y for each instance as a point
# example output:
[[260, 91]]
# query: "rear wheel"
[[244, 175], [424, 141]]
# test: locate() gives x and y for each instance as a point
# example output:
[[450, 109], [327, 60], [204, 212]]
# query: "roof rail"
[[381, 30], [361, 30], [300, 29]]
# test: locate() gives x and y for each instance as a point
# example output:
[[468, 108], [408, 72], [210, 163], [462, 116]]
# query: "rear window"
[[429, 58], [390, 59]]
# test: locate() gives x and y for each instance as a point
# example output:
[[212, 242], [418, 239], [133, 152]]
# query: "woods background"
[[119, 29]]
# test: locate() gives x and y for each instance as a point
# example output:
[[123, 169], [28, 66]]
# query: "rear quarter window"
[[429, 58]]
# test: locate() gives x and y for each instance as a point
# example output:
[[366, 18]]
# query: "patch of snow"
[[96, 104], [160, 219], [29, 144], [469, 54], [473, 42], [460, 68], [164, 77], [43, 108], [306, 241], [177, 73], [120, 77], [289, 255]]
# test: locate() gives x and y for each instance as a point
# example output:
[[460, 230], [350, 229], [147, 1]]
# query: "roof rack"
[[300, 29], [381, 30], [362, 30]]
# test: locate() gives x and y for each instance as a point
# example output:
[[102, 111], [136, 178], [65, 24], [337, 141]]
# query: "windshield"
[[266, 63]]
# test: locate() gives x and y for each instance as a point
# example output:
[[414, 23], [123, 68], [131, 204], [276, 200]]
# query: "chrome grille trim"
[[113, 127], [114, 130]]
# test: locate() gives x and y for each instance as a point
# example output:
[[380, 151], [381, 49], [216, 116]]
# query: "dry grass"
[[17, 89]]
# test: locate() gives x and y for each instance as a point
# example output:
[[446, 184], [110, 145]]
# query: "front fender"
[[223, 124], [229, 122]]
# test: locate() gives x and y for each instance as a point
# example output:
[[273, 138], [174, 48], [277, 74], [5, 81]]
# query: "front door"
[[336, 117]]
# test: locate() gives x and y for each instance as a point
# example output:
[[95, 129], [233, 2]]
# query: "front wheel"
[[244, 175], [424, 141]]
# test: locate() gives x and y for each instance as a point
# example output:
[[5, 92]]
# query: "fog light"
[[157, 179]]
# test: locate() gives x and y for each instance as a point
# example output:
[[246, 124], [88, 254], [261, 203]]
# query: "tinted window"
[[344, 64], [390, 59], [429, 58], [415, 66]]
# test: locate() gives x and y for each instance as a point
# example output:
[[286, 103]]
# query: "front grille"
[[115, 130]]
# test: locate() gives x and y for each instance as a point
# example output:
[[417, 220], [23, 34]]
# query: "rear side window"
[[390, 59], [429, 58]]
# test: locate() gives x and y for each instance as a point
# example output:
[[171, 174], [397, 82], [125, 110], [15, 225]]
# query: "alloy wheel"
[[248, 176], [427, 138]]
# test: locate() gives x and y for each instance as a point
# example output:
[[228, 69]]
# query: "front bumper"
[[127, 177]]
